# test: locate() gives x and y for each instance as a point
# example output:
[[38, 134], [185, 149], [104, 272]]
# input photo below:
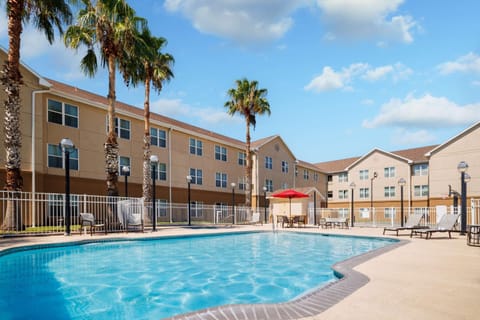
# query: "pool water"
[[154, 279]]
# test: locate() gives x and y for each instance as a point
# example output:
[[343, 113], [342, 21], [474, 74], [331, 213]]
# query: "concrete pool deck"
[[437, 278]]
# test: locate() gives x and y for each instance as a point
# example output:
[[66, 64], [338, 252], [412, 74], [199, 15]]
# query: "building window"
[[158, 137], [420, 191], [329, 178], [220, 153], [284, 166], [342, 194], [220, 180], [241, 183], [343, 177], [364, 193], [122, 130], [363, 174], [242, 158], [161, 206], [389, 192], [197, 176], [56, 205], [196, 209], [268, 163], [162, 171], [343, 212], [389, 213], [62, 113], [196, 147], [420, 169], [315, 176], [221, 210], [306, 174], [389, 172], [284, 185], [269, 185], [124, 162], [330, 194], [56, 157]]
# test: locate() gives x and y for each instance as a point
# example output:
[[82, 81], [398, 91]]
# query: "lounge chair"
[[413, 222], [446, 224], [299, 220], [283, 220], [87, 219]]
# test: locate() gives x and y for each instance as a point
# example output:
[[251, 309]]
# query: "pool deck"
[[437, 278]]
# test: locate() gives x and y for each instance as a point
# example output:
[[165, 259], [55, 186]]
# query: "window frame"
[[63, 113]]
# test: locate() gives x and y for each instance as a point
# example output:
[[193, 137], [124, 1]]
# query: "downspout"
[[34, 92], [170, 172]]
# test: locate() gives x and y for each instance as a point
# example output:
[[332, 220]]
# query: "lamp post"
[[371, 191], [153, 163], [126, 173], [352, 215], [189, 180], [233, 201], [401, 183], [462, 168], [265, 202], [67, 145]]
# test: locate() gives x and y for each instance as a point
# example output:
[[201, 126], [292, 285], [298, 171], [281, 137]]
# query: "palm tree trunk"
[[12, 79], [147, 179], [248, 170], [111, 145]]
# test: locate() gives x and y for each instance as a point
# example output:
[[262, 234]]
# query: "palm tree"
[[113, 27], [247, 100], [152, 67], [46, 16]]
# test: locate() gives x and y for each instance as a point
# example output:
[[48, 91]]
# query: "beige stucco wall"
[[443, 165]]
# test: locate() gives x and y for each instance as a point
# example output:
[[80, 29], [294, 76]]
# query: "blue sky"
[[343, 76]]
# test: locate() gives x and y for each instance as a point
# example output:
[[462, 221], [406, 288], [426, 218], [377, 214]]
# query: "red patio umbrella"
[[290, 193]]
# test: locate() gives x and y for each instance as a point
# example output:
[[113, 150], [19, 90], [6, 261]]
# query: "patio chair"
[[299, 220], [87, 219], [255, 219], [413, 222], [283, 220], [446, 224], [130, 214]]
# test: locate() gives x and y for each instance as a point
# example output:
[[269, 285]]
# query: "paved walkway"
[[424, 279]]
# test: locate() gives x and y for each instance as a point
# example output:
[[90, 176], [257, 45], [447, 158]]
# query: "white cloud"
[[176, 108], [367, 102], [332, 80], [244, 21], [419, 137], [467, 63], [426, 111], [353, 19]]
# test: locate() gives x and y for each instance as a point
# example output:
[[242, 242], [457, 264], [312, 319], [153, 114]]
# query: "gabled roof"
[[257, 144], [336, 165], [308, 165], [74, 93], [413, 155], [474, 127], [41, 81]]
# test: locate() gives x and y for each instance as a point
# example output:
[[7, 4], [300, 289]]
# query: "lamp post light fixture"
[[126, 173], [371, 191], [233, 201], [462, 168], [265, 202], [401, 183], [189, 180], [153, 163], [352, 215], [67, 146]]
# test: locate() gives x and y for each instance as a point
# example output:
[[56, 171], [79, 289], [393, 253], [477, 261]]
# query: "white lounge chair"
[[130, 214], [446, 224], [413, 222]]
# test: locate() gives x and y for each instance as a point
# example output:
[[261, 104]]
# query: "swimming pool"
[[154, 279]]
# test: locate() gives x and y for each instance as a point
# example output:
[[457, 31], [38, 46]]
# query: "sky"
[[343, 76]]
